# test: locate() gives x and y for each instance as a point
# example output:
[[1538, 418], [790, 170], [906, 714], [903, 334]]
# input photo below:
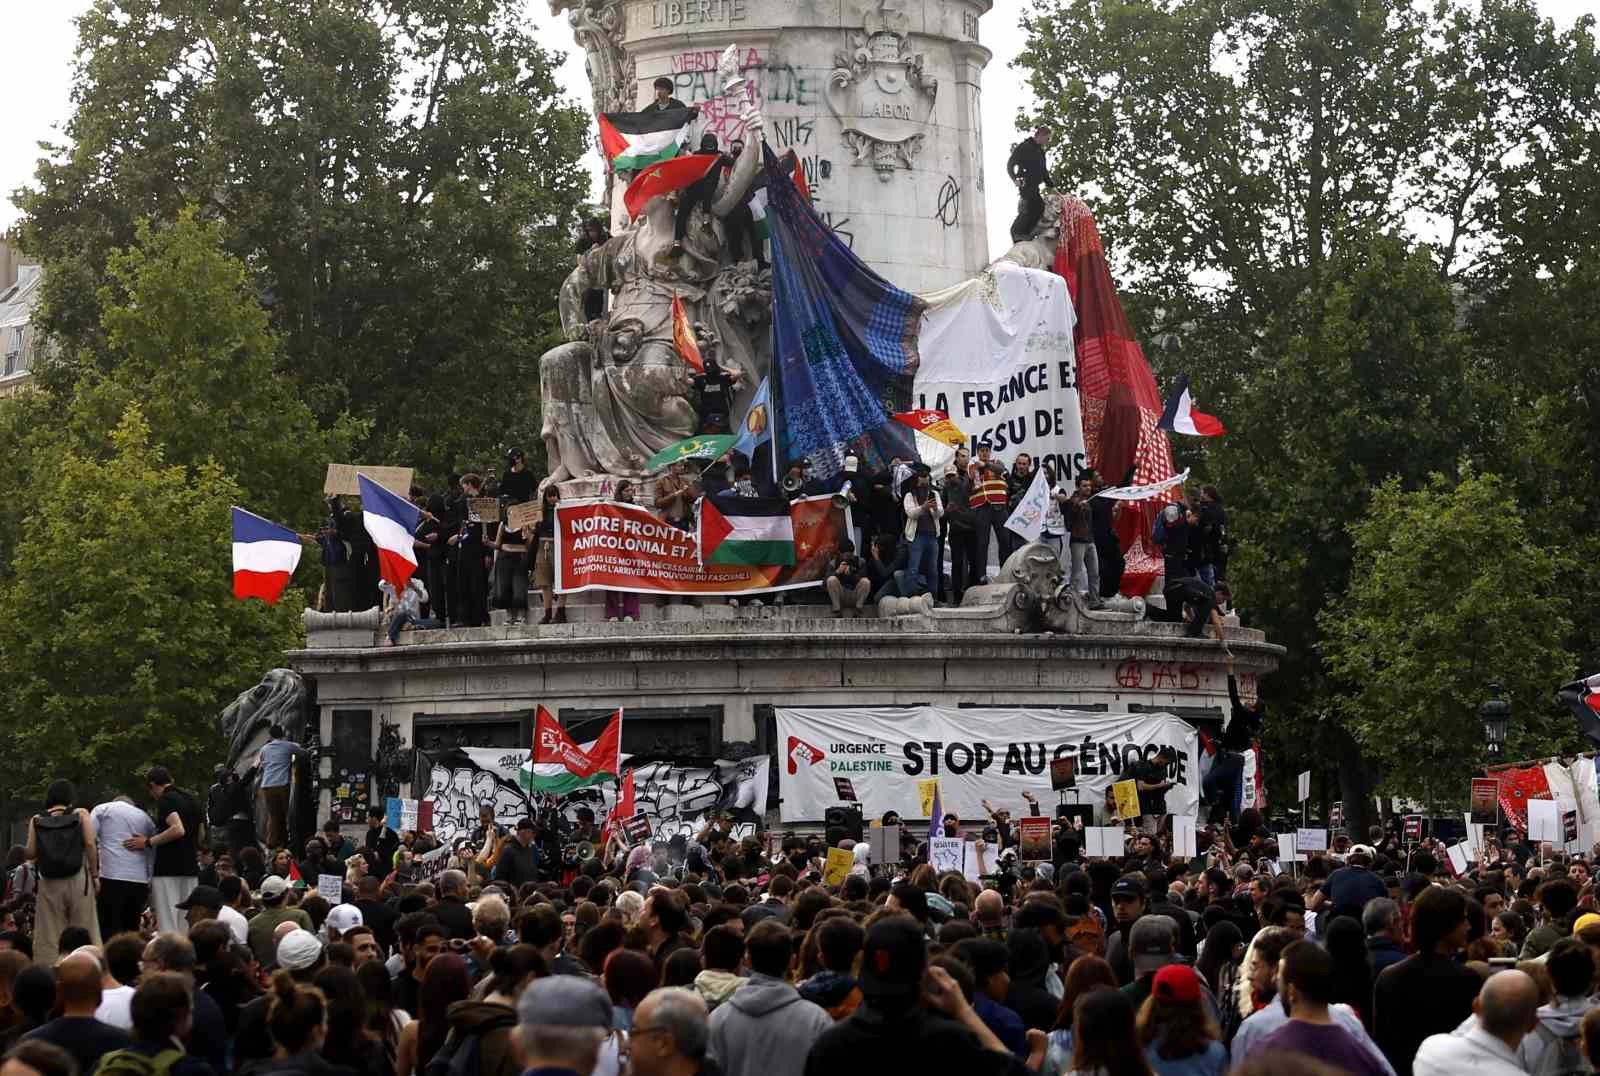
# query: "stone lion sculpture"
[[281, 698]]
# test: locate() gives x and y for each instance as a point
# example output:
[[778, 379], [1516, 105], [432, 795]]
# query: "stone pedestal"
[[879, 102]]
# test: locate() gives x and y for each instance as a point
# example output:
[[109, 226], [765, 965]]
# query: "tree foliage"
[[1450, 589], [400, 177], [120, 641]]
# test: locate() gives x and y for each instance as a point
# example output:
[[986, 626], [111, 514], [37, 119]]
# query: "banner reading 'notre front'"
[[607, 545]]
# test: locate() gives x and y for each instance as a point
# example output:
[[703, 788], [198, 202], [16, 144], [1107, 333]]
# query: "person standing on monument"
[[1026, 167], [277, 765], [664, 99]]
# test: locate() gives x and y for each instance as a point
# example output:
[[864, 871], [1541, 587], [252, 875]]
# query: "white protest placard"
[[1287, 852], [1311, 840], [1183, 842], [974, 866], [1458, 858], [1474, 838], [947, 854], [1303, 785], [1544, 821], [1105, 842], [331, 888]]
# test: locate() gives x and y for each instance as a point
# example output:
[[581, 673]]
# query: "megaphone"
[[585, 850], [842, 498]]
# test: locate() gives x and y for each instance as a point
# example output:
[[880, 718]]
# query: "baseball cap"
[[1583, 922], [565, 1001], [1176, 982], [1150, 942], [1363, 850], [893, 959], [273, 887], [202, 896], [1128, 887], [298, 949], [342, 918]]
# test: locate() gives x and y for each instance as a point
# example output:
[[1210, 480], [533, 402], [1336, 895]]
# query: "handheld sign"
[[1486, 800], [1413, 828], [1063, 773], [1303, 786], [1183, 837], [1033, 838], [837, 867], [1127, 794], [925, 793], [636, 828], [885, 844], [846, 790], [1104, 842], [331, 888], [1311, 840], [1544, 824]]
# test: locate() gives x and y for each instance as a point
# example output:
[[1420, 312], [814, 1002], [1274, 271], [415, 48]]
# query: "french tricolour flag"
[[1181, 415], [265, 556], [391, 522]]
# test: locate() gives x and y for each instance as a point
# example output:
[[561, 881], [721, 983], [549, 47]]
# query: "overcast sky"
[[35, 85]]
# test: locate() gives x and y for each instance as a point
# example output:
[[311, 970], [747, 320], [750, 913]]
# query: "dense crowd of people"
[[133, 944], [915, 533]]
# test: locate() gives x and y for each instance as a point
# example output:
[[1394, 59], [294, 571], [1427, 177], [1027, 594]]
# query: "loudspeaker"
[[847, 820]]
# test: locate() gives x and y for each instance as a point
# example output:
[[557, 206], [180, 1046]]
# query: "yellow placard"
[[837, 867], [926, 791], [1127, 793]]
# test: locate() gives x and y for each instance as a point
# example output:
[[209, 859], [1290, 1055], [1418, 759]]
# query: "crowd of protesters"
[[723, 953], [915, 533]]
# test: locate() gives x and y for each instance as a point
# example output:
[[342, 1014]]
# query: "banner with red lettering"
[[608, 545]]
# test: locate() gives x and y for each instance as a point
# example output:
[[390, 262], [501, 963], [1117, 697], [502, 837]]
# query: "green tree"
[[1450, 590], [120, 641], [401, 178]]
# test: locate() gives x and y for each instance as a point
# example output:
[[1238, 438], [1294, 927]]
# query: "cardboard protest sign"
[[1183, 836], [524, 516], [1033, 838], [1311, 840], [1127, 795], [838, 866], [885, 844], [331, 888], [1544, 823], [1104, 842], [1485, 800], [429, 865], [483, 510], [1063, 773], [341, 479]]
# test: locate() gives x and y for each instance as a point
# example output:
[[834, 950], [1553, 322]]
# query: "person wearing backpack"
[[162, 1011], [61, 846], [1554, 1047]]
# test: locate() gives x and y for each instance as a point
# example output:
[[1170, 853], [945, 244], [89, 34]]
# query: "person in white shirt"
[[116, 998], [124, 872], [231, 914], [1508, 1010]]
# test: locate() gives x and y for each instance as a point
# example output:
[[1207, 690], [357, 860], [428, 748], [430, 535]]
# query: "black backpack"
[[60, 841], [462, 1054]]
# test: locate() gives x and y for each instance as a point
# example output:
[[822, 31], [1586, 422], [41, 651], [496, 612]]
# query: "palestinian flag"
[[635, 140], [558, 766], [664, 177], [746, 530]]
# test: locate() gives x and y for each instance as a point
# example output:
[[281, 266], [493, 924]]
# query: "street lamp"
[[1495, 714]]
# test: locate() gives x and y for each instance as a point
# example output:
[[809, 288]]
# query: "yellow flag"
[[1127, 793], [926, 790], [837, 867]]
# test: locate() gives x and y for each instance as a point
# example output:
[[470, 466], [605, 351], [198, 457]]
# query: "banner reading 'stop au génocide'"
[[613, 546], [997, 357], [993, 753]]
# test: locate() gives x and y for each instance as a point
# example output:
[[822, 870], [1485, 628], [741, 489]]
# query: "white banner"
[[983, 753], [997, 357]]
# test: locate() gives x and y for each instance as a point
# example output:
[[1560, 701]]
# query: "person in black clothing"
[[544, 558], [1221, 782], [1210, 553], [739, 226], [912, 1018], [594, 234], [1106, 546], [960, 525], [381, 840], [1026, 167], [1153, 782], [713, 393], [699, 192], [472, 573], [519, 857], [431, 540], [1428, 993], [76, 1030], [1175, 531], [664, 100], [517, 484], [848, 585], [451, 909]]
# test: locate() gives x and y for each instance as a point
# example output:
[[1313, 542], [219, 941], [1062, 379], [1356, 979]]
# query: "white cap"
[[340, 919], [298, 949]]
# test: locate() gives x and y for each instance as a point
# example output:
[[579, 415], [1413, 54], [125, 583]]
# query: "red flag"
[[683, 336], [294, 871], [551, 744], [622, 810], [797, 172], [664, 178]]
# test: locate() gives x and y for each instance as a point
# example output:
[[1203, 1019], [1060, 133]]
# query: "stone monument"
[[877, 98]]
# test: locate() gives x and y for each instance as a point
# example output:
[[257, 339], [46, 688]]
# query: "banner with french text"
[[608, 545], [997, 357], [977, 754]]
